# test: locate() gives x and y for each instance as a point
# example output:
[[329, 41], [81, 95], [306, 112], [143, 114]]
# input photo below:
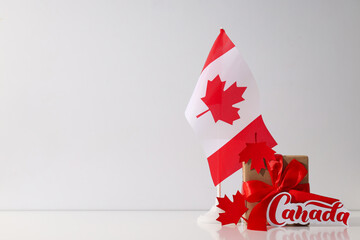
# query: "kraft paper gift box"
[[264, 175]]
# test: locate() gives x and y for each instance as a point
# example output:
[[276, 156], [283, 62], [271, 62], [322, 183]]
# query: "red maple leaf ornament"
[[233, 210], [257, 153], [220, 102]]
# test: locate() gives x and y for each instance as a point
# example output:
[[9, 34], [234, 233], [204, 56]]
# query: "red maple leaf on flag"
[[233, 210], [257, 153], [220, 102]]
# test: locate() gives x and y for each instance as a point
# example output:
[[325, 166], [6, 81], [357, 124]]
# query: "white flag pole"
[[213, 213]]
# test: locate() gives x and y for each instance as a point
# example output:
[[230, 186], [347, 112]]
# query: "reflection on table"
[[233, 232]]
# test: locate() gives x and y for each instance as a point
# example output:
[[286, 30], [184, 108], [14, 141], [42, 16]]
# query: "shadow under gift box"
[[264, 175]]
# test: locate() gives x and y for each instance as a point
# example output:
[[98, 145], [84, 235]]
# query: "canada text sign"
[[281, 212]]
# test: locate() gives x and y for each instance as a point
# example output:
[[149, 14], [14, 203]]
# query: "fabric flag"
[[224, 109]]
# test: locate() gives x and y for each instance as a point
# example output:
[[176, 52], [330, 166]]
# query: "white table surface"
[[169, 225]]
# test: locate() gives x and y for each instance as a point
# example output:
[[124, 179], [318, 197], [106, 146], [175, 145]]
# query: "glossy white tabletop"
[[169, 225]]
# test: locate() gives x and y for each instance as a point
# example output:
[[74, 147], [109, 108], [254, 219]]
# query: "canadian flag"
[[224, 109]]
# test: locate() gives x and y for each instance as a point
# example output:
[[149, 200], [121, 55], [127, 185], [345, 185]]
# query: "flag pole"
[[213, 213], [218, 190]]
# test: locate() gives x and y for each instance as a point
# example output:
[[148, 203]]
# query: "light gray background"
[[93, 93]]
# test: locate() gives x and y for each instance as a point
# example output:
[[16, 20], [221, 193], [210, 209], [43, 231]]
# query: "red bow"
[[282, 181]]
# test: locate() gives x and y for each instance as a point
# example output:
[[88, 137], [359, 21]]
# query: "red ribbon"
[[282, 181]]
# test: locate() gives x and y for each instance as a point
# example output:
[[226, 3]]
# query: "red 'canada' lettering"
[[281, 211]]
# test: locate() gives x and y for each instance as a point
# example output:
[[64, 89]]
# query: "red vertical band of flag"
[[221, 45], [226, 160]]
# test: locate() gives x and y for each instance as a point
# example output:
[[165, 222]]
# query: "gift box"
[[264, 175]]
